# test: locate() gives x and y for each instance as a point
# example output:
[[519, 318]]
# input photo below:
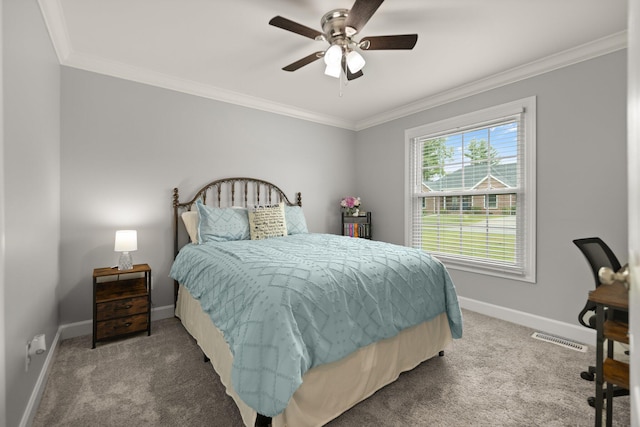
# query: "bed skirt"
[[327, 390]]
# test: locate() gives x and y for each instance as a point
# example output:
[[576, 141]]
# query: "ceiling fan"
[[339, 27]]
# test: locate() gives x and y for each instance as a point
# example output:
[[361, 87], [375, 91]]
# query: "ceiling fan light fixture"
[[339, 26], [355, 61], [333, 70], [333, 56]]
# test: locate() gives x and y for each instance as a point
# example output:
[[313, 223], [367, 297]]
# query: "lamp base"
[[125, 262]]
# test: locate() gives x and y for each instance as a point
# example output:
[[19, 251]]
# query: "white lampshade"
[[355, 61], [126, 241], [333, 55], [333, 70]]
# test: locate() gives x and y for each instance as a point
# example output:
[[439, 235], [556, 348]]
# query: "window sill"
[[502, 272]]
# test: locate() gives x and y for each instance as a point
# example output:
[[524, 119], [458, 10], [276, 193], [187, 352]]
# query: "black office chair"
[[599, 255]]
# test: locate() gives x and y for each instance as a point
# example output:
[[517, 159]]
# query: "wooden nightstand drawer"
[[122, 326], [109, 291], [123, 307]]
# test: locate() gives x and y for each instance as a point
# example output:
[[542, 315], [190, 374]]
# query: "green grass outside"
[[464, 242]]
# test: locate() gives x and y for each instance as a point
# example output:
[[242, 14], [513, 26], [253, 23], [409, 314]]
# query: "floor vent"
[[559, 341]]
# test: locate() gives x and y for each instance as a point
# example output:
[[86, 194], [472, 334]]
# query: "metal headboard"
[[229, 192]]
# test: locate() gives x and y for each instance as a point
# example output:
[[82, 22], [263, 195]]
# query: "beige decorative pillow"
[[190, 219], [267, 221]]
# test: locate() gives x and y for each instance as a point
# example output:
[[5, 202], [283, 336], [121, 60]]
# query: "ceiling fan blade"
[[304, 61], [403, 41], [294, 27], [361, 12], [347, 71]]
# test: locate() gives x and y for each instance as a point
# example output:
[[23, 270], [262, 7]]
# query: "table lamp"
[[126, 241]]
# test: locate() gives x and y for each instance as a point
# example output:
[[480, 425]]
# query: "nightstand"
[[121, 302]]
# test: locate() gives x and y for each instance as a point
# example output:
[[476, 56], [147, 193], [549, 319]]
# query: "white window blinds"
[[470, 197]]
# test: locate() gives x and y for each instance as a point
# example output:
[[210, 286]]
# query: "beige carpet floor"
[[496, 375]]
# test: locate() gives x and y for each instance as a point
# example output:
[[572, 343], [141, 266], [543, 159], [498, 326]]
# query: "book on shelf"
[[357, 226], [354, 229]]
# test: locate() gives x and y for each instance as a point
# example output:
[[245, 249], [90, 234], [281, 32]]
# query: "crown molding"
[[153, 78], [54, 19], [57, 27], [562, 59]]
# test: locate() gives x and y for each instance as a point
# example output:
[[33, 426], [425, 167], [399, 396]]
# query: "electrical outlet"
[[36, 346]]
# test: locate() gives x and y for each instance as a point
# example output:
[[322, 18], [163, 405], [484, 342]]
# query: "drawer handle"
[[124, 307], [124, 325]]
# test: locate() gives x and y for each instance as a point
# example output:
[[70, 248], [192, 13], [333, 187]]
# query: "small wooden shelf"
[[616, 331], [357, 226], [616, 372]]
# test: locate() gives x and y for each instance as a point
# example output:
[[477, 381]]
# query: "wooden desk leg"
[[599, 360]]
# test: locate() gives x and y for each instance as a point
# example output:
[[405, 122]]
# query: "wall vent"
[[560, 341]]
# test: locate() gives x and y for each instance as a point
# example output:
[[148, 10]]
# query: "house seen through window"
[[471, 197]]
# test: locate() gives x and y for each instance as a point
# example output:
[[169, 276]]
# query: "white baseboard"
[[77, 329], [164, 312], [576, 333], [38, 389]]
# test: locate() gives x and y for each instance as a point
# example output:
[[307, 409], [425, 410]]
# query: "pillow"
[[267, 221], [296, 224], [190, 219], [222, 224]]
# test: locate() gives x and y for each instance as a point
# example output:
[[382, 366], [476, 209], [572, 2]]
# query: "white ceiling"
[[225, 49]]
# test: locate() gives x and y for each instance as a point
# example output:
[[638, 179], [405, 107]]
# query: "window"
[[471, 190], [491, 201]]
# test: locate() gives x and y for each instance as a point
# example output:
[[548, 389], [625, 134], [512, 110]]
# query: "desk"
[[609, 370]]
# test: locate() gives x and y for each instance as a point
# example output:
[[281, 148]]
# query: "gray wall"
[[126, 145], [31, 166], [581, 180]]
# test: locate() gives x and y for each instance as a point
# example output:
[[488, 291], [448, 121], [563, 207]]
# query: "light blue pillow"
[[294, 217], [222, 224]]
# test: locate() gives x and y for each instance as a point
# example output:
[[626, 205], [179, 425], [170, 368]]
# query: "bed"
[[301, 326]]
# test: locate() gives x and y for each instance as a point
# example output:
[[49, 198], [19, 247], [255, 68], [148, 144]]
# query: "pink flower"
[[350, 202]]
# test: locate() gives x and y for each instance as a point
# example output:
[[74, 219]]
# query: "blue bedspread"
[[290, 303]]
